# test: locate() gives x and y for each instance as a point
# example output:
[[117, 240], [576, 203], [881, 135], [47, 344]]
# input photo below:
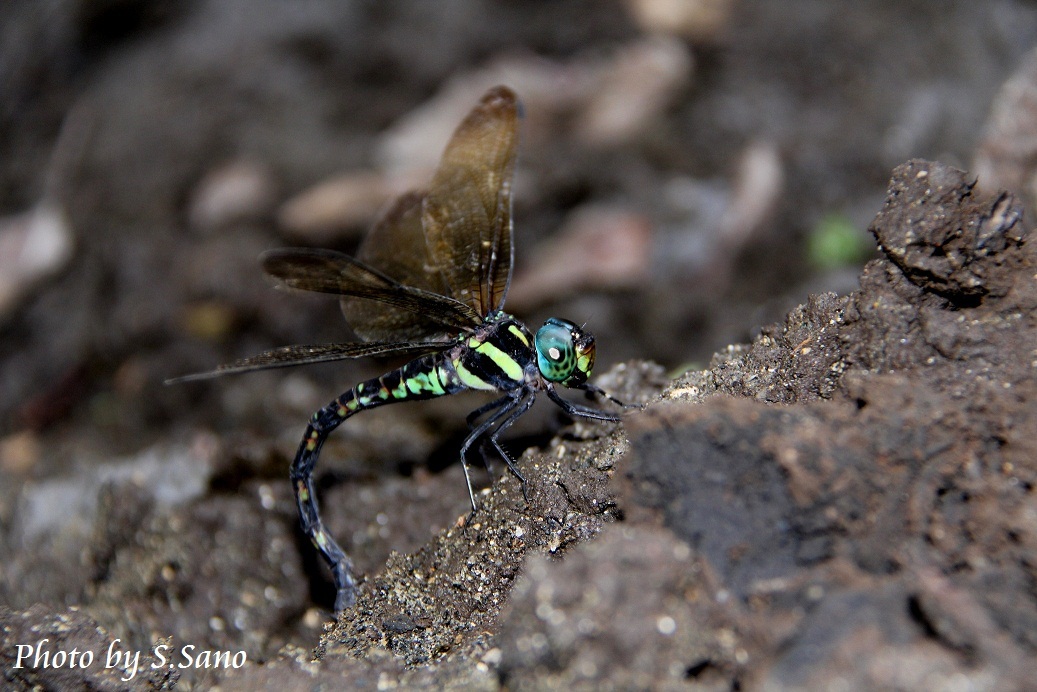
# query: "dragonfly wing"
[[395, 246], [467, 210], [406, 312], [302, 355]]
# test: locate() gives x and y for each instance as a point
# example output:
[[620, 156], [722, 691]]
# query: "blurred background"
[[688, 172]]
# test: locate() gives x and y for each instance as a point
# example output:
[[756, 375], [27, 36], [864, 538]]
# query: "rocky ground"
[[848, 500], [844, 500]]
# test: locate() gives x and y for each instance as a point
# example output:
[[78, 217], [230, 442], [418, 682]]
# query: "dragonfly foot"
[[346, 596]]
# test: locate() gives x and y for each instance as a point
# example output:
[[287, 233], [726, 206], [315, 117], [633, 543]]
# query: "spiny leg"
[[496, 403], [595, 389], [472, 417], [508, 422], [301, 473], [576, 410], [506, 405]]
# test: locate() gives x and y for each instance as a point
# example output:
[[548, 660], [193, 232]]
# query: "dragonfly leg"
[[321, 424], [520, 409], [472, 417], [504, 405], [576, 410], [496, 403], [595, 389]]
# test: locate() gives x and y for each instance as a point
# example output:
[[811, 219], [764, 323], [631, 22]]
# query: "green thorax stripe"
[[495, 359], [508, 365], [470, 379]]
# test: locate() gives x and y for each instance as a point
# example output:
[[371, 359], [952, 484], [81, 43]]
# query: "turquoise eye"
[[564, 354]]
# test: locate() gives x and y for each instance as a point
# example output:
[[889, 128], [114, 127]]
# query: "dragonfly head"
[[565, 354]]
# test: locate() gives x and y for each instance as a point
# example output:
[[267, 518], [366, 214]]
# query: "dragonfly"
[[430, 280]]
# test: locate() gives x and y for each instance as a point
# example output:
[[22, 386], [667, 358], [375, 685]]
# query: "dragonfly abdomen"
[[422, 378]]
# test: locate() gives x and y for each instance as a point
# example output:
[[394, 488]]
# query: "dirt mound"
[[849, 497]]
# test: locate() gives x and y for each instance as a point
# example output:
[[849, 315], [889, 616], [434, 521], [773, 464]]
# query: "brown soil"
[[848, 498]]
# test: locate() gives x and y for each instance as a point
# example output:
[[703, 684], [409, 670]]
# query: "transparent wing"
[[405, 309], [467, 210], [301, 355], [396, 247]]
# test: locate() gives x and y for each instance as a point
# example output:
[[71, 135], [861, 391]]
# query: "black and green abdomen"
[[494, 359], [422, 378]]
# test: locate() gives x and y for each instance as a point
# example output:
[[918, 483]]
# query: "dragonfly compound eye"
[[564, 353]]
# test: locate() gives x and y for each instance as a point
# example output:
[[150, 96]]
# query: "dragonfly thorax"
[[565, 353]]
